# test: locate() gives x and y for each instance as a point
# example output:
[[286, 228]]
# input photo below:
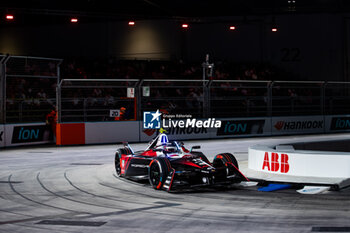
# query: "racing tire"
[[118, 156], [158, 171], [221, 159], [232, 159]]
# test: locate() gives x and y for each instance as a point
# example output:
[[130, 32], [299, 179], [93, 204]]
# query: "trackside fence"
[[93, 100], [28, 88], [96, 99]]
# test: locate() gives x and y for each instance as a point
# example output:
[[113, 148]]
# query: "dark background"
[[312, 41]]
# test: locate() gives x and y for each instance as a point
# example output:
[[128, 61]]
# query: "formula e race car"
[[169, 166]]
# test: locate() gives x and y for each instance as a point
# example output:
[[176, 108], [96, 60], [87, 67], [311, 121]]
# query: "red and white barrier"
[[284, 164], [133, 131]]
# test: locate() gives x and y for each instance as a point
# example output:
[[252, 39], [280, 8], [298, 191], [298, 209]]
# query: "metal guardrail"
[[217, 98], [92, 99], [2, 88], [27, 88], [28, 92]]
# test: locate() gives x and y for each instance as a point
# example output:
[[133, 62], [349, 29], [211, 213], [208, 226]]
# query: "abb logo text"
[[276, 162]]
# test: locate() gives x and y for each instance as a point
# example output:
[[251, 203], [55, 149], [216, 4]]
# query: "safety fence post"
[[2, 88], [269, 98], [208, 86]]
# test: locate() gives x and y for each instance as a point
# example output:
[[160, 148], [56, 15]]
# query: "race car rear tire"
[[118, 155], [158, 171]]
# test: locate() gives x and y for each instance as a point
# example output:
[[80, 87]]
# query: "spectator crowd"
[[38, 92], [153, 69]]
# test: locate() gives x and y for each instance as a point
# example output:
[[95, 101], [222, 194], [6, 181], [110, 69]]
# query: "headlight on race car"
[[205, 180]]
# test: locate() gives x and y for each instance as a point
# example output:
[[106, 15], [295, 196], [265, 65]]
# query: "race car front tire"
[[229, 163], [232, 159], [158, 171], [222, 159]]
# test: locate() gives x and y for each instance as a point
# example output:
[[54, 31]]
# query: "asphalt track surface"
[[74, 189]]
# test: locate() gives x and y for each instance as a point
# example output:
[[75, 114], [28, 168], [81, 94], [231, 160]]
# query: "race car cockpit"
[[162, 143]]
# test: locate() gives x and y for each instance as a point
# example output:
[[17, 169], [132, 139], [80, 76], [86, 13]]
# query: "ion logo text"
[[23, 134]]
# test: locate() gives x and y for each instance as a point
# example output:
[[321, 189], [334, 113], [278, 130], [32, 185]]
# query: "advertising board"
[[111, 132], [338, 123], [229, 127], [26, 134], [297, 125], [244, 127]]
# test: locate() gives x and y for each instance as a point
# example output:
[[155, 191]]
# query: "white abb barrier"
[[288, 165]]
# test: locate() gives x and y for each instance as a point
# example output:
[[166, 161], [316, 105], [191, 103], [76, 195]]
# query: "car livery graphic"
[[170, 166]]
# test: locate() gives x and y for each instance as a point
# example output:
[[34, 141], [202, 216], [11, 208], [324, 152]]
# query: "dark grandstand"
[[86, 84], [270, 58]]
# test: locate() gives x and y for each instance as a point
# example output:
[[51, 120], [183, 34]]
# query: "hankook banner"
[[297, 125]]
